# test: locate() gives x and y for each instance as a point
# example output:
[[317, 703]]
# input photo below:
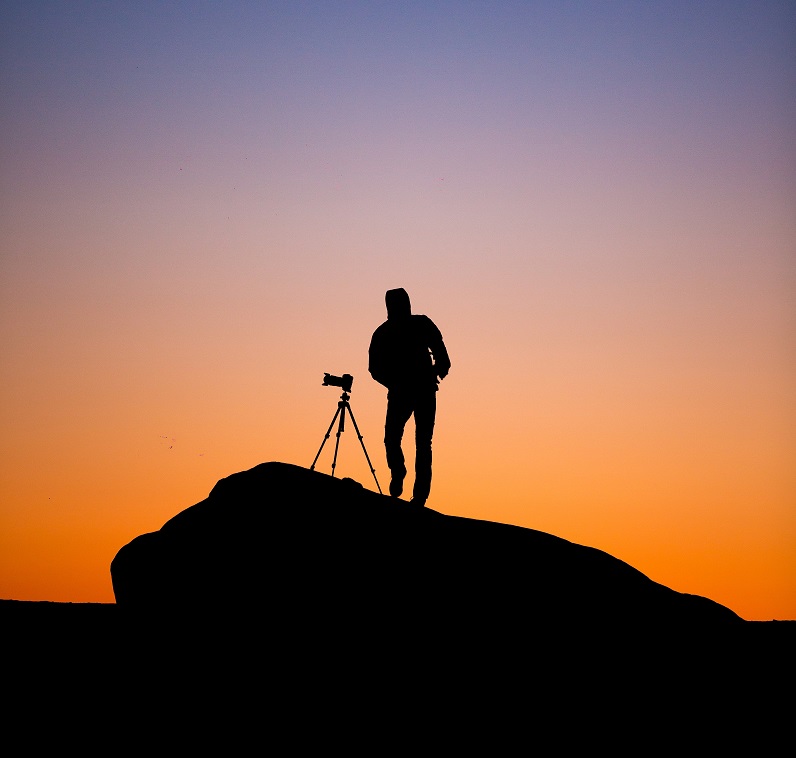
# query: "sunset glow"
[[202, 206]]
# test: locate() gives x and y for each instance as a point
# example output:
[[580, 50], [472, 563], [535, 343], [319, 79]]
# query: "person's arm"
[[442, 361], [376, 360]]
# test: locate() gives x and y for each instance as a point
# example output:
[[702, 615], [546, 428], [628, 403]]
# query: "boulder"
[[305, 550]]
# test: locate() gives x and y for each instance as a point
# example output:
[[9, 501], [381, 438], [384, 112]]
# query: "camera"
[[343, 381]]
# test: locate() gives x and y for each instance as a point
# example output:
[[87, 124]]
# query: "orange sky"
[[201, 214]]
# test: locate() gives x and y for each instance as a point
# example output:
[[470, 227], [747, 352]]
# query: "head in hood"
[[398, 305]]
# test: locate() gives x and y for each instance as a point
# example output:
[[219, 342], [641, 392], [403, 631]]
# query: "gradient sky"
[[202, 205]]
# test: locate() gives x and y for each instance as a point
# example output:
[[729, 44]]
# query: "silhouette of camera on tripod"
[[344, 382]]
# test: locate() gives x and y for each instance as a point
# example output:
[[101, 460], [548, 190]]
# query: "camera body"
[[343, 381]]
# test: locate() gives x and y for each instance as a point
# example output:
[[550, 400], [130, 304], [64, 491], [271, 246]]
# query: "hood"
[[398, 305]]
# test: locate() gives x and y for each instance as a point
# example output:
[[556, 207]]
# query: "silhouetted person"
[[407, 355]]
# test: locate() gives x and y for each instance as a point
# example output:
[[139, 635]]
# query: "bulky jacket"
[[407, 352]]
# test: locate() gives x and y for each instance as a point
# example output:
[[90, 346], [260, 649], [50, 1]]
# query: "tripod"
[[342, 406]]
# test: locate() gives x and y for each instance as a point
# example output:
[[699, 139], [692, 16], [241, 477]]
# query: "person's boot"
[[397, 483], [419, 496]]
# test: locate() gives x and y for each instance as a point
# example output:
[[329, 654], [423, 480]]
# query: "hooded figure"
[[407, 355]]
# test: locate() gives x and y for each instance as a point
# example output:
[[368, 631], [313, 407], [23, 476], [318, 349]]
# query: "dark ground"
[[89, 671]]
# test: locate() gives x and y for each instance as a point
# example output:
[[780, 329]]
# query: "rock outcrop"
[[305, 550]]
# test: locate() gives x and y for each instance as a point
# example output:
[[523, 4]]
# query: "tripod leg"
[[367, 457], [340, 429], [326, 437]]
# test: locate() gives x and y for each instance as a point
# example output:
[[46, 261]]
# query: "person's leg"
[[399, 409], [425, 414]]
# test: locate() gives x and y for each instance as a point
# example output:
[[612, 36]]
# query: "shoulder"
[[381, 331], [426, 324]]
